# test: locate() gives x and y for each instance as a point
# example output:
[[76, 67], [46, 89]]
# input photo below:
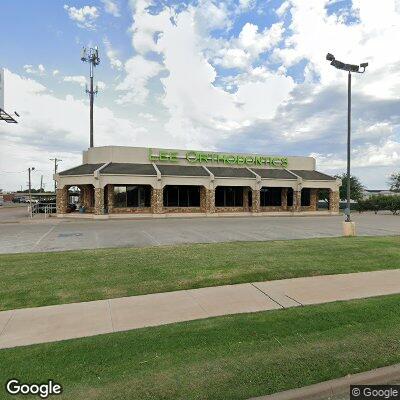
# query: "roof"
[[84, 169], [129, 169], [181, 170], [229, 172], [313, 175], [273, 173]]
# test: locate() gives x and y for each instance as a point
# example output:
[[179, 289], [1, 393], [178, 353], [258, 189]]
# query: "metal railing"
[[42, 208]]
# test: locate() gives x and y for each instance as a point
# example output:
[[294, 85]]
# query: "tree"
[[356, 187], [394, 182]]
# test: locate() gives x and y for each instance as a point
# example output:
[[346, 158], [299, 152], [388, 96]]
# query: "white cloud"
[[53, 126], [101, 85], [80, 79], [112, 56], [30, 69], [84, 17], [111, 7], [56, 72], [138, 72], [242, 51], [148, 117]]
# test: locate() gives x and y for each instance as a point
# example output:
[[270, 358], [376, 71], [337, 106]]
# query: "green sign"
[[198, 157]]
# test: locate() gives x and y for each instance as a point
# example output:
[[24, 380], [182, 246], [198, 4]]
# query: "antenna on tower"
[[91, 55]]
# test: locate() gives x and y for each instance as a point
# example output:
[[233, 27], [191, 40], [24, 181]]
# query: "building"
[[114, 181], [368, 193]]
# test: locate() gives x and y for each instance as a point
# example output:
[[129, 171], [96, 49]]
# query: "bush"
[[380, 203]]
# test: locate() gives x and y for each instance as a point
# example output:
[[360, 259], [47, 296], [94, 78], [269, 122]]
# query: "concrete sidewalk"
[[53, 323]]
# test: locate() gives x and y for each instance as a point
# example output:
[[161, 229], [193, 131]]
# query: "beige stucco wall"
[[140, 155]]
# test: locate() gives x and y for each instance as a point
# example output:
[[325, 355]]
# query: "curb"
[[338, 386]]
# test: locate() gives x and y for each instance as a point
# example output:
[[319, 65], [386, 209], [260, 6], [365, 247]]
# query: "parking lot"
[[19, 234]]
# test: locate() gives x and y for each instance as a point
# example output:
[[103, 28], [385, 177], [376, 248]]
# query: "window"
[[119, 196], [270, 196], [305, 197], [181, 196], [132, 196], [290, 197], [226, 196]]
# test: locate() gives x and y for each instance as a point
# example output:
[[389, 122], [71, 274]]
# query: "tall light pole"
[[349, 68], [30, 169], [56, 161], [91, 55]]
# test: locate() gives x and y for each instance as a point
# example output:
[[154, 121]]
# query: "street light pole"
[[349, 68], [56, 161], [348, 218], [30, 169]]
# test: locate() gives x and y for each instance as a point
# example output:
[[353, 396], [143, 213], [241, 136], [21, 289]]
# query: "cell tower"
[[3, 115], [91, 55]]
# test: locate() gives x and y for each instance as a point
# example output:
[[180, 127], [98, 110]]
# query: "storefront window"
[[119, 196], [305, 197], [182, 196], [226, 196], [271, 197], [132, 196]]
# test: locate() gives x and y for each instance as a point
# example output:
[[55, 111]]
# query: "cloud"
[[56, 72], [80, 79], [115, 62], [55, 126], [30, 69], [111, 7], [138, 72], [84, 17]]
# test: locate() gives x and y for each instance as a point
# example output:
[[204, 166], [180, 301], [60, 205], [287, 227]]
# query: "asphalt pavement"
[[19, 234]]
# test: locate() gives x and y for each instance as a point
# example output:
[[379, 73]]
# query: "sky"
[[234, 76]]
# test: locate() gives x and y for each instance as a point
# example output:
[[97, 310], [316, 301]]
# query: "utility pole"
[[41, 183], [91, 56], [56, 161], [30, 187]]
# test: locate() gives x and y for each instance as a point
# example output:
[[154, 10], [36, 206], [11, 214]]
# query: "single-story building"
[[116, 181]]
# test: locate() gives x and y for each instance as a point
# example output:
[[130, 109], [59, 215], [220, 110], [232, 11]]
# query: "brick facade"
[[156, 201], [284, 194], [99, 201], [256, 201], [334, 201], [62, 200], [296, 200]]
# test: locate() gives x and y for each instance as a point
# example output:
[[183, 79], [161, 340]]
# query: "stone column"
[[99, 201], [334, 201], [296, 200], [210, 200], [156, 201], [256, 201], [62, 200], [110, 198], [313, 199], [284, 192], [246, 199]]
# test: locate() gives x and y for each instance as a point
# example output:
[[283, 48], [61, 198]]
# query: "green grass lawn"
[[232, 357], [37, 279]]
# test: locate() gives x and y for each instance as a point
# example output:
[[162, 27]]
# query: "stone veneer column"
[[334, 201], [313, 199], [296, 200], [284, 192], [210, 200], [246, 199], [62, 200], [256, 200], [110, 198], [156, 200], [99, 201]]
